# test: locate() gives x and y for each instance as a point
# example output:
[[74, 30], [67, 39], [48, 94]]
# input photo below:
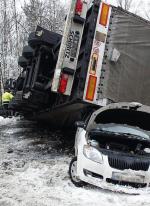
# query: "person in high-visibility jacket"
[[6, 98]]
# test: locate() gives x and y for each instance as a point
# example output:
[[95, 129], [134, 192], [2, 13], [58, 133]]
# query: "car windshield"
[[124, 129]]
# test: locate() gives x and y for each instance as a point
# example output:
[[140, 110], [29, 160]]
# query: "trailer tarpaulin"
[[127, 78]]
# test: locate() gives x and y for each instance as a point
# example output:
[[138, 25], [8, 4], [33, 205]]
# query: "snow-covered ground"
[[34, 171]]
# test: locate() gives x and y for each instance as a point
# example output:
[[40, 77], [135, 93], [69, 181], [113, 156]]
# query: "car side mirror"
[[80, 124]]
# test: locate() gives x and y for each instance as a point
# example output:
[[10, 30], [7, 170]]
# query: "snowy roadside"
[[34, 171]]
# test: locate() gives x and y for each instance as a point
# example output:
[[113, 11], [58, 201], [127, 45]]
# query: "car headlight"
[[92, 154]]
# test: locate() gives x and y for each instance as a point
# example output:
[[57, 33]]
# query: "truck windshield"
[[124, 129]]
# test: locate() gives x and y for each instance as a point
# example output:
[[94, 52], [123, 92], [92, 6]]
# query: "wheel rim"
[[74, 172]]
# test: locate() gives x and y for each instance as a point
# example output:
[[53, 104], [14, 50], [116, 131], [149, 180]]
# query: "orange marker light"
[[91, 88], [104, 14]]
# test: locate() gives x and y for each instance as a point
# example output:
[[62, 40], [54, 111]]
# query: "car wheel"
[[73, 173]]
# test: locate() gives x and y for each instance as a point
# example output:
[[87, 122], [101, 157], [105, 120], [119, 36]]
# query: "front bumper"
[[106, 177]]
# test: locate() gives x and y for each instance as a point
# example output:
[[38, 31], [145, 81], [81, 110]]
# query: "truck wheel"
[[73, 173]]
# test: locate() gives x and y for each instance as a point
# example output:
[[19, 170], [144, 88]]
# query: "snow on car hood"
[[124, 129]]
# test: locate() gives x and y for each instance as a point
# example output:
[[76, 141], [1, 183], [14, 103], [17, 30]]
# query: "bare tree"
[[4, 42], [9, 38], [15, 27], [0, 84], [56, 15], [147, 11], [33, 10], [125, 4], [49, 14]]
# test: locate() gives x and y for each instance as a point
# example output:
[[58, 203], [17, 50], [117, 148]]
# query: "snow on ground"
[[34, 171]]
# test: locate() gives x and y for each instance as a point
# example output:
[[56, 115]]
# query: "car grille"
[[133, 163]]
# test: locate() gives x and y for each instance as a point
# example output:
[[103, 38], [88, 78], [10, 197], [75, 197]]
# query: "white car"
[[113, 148]]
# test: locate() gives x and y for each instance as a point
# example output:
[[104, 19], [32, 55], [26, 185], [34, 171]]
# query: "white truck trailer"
[[102, 57]]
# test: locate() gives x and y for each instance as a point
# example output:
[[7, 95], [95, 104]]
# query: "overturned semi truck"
[[102, 57]]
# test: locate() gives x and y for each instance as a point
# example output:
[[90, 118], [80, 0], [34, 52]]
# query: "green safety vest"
[[7, 97]]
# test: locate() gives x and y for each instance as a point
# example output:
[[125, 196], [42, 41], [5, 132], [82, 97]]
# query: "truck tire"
[[73, 172]]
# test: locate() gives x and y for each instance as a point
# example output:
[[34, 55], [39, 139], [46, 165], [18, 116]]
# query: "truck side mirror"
[[80, 124]]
